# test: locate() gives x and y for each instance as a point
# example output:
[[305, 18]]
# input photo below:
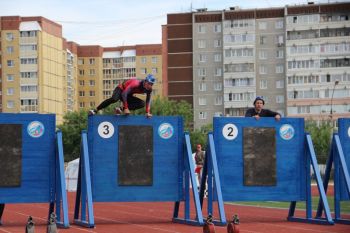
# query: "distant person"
[[199, 158], [125, 91], [259, 111]]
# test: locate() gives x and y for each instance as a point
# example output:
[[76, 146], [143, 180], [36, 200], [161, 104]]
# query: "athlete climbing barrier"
[[339, 156], [261, 160], [32, 163], [135, 159]]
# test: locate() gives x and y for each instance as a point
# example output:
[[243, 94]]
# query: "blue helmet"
[[150, 78], [259, 98]]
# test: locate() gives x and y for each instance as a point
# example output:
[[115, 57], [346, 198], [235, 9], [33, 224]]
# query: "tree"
[[73, 124], [199, 136], [321, 137]]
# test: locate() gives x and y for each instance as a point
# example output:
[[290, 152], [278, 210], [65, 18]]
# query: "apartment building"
[[296, 57], [40, 72], [207, 67], [318, 61], [125, 62], [149, 61], [71, 95], [32, 66]]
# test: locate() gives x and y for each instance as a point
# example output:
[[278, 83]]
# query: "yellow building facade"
[[42, 72]]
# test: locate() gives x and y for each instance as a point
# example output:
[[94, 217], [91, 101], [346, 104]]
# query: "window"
[[10, 104], [81, 104], [10, 63], [81, 93], [218, 72], [263, 84], [10, 77], [217, 86], [81, 82], [262, 25], [279, 24], [202, 86], [81, 72], [9, 49], [217, 28], [202, 101], [279, 40], [263, 39], [217, 57], [29, 61], [143, 60], [29, 74], [92, 104], [92, 72], [29, 88], [9, 36], [279, 68], [218, 100], [202, 72], [92, 61], [262, 54], [280, 99], [201, 29], [81, 61], [262, 69], [154, 60], [202, 58], [202, 115], [217, 43], [279, 54], [201, 44], [10, 91], [154, 70], [92, 93], [92, 82], [143, 70], [280, 84]]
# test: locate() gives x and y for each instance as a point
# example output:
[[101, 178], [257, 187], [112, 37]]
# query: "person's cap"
[[259, 98], [150, 78]]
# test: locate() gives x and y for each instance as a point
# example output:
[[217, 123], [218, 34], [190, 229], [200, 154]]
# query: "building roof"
[[29, 26]]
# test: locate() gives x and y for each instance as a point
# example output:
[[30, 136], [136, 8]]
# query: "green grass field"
[[344, 205]]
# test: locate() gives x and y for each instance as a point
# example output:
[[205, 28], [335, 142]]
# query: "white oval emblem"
[[105, 129], [165, 131], [35, 129], [230, 131], [349, 132], [287, 132]]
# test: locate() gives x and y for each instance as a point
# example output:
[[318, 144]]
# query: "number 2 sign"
[[230, 131]]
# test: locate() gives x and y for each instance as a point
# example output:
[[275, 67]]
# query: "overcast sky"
[[111, 23]]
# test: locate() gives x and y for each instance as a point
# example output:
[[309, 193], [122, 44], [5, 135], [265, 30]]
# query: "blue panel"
[[344, 136], [38, 160], [290, 161], [167, 160]]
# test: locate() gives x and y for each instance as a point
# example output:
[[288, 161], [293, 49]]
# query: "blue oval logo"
[[287, 132], [35, 129], [165, 130]]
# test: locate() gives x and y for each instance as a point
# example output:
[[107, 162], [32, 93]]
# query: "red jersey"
[[134, 86]]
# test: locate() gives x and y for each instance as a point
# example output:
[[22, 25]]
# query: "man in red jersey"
[[125, 93]]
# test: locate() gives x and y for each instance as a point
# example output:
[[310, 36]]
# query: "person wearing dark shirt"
[[259, 111], [125, 91]]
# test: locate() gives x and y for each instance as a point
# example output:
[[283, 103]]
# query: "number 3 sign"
[[230, 131], [105, 129]]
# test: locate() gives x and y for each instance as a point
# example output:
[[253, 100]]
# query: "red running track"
[[156, 218]]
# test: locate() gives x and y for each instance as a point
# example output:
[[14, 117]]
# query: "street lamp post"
[[331, 112]]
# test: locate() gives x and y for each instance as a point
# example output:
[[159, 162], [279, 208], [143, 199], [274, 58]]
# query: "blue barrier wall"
[[38, 159], [168, 161], [344, 136], [290, 159]]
